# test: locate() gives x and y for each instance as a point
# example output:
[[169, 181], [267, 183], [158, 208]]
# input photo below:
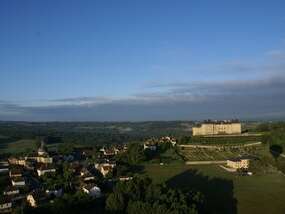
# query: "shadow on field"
[[218, 192], [139, 169]]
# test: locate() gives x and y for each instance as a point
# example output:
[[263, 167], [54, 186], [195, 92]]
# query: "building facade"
[[225, 127], [238, 163]]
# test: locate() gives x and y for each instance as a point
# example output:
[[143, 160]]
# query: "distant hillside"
[[94, 132]]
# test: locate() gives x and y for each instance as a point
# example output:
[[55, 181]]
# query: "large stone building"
[[214, 127]]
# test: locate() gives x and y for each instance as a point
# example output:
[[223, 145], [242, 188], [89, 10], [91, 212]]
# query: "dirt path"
[[204, 162]]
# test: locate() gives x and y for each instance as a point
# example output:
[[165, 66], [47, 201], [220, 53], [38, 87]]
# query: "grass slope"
[[17, 146]]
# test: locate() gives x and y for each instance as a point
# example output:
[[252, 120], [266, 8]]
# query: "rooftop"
[[238, 159], [221, 121], [218, 122]]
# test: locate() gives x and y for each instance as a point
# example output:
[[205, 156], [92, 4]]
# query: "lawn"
[[227, 193]]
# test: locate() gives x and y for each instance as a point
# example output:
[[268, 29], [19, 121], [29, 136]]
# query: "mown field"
[[9, 145], [227, 192]]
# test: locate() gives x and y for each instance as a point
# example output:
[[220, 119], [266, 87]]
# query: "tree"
[[135, 153], [139, 207], [275, 151], [141, 196], [115, 202]]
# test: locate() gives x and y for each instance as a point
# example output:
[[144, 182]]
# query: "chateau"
[[214, 127]]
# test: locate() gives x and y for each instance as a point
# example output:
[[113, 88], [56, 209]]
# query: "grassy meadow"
[[227, 192]]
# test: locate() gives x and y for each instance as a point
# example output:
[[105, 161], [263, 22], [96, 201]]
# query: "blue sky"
[[94, 60]]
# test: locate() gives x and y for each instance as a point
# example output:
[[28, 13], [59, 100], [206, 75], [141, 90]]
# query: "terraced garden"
[[222, 140], [224, 153]]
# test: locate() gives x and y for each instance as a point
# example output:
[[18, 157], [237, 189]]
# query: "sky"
[[132, 60]]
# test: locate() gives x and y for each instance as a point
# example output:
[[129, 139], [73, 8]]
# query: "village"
[[41, 177], [28, 176]]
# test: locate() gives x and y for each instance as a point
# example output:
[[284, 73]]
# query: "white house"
[[15, 173], [86, 175], [150, 146], [34, 198], [18, 181], [11, 190], [5, 205], [92, 190], [45, 169], [238, 163], [168, 139], [105, 168], [4, 169]]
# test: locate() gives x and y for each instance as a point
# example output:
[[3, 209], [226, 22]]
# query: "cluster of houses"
[[22, 175], [25, 175], [153, 143]]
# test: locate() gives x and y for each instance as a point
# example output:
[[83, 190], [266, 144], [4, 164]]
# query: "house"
[[92, 190], [54, 192], [4, 169], [238, 163], [35, 198], [4, 166], [30, 164], [110, 163], [125, 178], [17, 161], [86, 175], [15, 172], [11, 190], [105, 168], [150, 145], [26, 162], [44, 159], [84, 172], [168, 139], [109, 152], [18, 181], [4, 163], [43, 169], [5, 205], [124, 148]]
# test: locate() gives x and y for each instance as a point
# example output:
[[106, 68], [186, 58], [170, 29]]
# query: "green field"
[[18, 146], [227, 192]]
